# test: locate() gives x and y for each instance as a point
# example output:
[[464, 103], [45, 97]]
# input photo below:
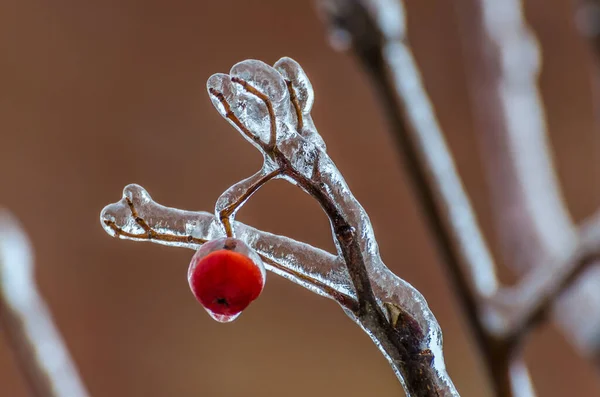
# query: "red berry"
[[226, 275]]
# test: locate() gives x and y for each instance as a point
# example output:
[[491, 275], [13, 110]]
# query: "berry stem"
[[227, 214]]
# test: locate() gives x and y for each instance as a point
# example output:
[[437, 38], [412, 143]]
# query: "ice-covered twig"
[[538, 236], [24, 318], [375, 31], [258, 99], [137, 217], [270, 107]]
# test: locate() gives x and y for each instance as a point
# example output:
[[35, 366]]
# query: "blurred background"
[[98, 94]]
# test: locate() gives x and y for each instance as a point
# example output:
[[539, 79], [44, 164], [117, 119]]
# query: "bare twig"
[[37, 345]]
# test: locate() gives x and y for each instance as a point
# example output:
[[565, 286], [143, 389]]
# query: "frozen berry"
[[226, 275]]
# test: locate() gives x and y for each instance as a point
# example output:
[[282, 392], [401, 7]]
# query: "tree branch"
[[256, 99], [188, 229], [376, 33], [36, 343], [538, 236], [529, 301]]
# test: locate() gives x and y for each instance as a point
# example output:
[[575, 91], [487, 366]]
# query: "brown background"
[[97, 94]]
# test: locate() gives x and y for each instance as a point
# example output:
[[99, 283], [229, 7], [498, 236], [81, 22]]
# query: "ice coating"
[[237, 191], [310, 161], [292, 72], [253, 100], [302, 154], [221, 82], [226, 275], [232, 245], [295, 77], [257, 114], [308, 266], [259, 74]]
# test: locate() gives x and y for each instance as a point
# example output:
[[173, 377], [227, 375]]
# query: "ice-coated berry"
[[226, 275]]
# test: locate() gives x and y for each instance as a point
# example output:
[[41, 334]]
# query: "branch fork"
[[270, 107]]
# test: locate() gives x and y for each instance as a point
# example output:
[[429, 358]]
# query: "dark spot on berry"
[[222, 301]]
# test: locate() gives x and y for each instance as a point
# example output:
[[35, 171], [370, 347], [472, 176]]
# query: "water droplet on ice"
[[223, 318]]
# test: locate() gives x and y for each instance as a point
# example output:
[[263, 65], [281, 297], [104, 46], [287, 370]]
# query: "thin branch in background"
[[256, 99], [25, 320], [544, 287], [587, 19], [376, 32], [539, 239], [586, 15]]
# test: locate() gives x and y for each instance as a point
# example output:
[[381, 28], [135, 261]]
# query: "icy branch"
[[270, 107], [310, 267], [539, 238], [499, 317], [376, 33], [24, 318]]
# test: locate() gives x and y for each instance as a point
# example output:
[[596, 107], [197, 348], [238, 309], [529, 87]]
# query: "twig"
[[587, 21], [282, 256], [499, 317], [351, 227], [37, 345], [534, 225], [184, 227], [537, 291], [249, 186], [377, 37], [408, 336], [587, 17]]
